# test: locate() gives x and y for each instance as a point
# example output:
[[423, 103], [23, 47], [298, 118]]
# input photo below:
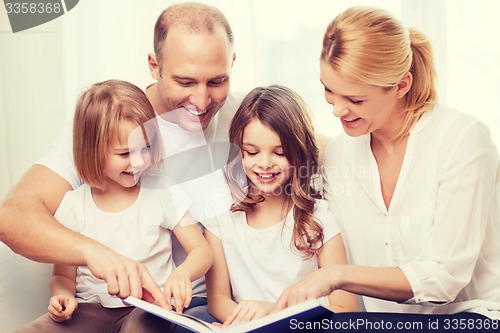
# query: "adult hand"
[[123, 276], [61, 307], [312, 286]]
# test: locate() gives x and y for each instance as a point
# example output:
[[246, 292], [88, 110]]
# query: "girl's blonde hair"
[[283, 111], [370, 46], [99, 111]]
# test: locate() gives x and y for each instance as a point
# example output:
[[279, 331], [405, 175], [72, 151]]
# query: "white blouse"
[[442, 227]]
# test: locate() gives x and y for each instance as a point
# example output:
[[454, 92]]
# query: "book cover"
[[281, 321]]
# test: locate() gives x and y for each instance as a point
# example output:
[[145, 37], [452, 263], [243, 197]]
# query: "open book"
[[282, 321]]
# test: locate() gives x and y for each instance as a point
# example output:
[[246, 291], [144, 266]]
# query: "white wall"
[[31, 97], [44, 69]]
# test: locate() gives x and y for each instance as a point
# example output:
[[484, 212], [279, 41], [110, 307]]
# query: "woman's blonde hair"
[[286, 113], [370, 46], [99, 111]]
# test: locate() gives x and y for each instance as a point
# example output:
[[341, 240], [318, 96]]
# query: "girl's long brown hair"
[[285, 113]]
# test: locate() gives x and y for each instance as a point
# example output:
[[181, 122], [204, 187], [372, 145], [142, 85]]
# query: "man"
[[193, 58], [193, 45], [192, 63]]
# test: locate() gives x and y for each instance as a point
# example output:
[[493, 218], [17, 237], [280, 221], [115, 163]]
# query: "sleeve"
[[175, 205], [215, 224], [463, 210], [59, 157], [67, 212], [333, 148], [327, 219]]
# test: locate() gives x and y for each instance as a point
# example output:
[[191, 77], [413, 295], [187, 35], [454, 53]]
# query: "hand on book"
[[124, 277], [178, 289], [249, 310], [315, 285]]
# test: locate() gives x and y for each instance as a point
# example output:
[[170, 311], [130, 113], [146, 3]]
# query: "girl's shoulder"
[[73, 205], [75, 198], [326, 218], [321, 206]]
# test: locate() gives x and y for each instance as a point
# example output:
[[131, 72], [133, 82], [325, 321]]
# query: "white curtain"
[[44, 69]]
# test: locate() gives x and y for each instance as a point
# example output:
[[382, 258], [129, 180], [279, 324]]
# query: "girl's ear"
[[154, 68], [404, 85]]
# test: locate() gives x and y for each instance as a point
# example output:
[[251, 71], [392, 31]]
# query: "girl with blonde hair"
[[116, 139]]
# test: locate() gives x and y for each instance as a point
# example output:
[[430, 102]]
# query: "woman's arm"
[[458, 239], [387, 283], [452, 227]]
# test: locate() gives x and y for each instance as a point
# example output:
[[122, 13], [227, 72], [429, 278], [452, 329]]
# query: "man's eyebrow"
[[179, 77], [218, 77]]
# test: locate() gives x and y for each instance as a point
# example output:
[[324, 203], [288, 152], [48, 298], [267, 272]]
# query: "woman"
[[414, 184]]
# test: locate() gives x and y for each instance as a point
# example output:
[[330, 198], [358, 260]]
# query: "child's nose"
[[265, 161], [136, 161]]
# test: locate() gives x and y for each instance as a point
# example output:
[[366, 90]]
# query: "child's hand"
[[61, 307], [249, 310], [178, 287]]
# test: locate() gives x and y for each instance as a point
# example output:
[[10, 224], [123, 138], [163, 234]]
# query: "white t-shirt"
[[141, 232], [443, 224], [180, 148], [194, 162], [261, 262]]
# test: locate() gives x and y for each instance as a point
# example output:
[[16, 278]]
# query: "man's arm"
[[27, 224], [28, 227]]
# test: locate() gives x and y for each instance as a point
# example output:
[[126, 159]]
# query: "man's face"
[[193, 79]]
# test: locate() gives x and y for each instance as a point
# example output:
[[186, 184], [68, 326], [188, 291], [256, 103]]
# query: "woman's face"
[[362, 108]]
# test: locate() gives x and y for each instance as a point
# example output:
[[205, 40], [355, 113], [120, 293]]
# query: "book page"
[[187, 321]]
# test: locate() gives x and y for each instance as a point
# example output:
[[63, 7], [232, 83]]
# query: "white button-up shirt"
[[442, 227]]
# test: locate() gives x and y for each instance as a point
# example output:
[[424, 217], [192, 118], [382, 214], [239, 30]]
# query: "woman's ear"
[[404, 85], [154, 68], [234, 58]]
